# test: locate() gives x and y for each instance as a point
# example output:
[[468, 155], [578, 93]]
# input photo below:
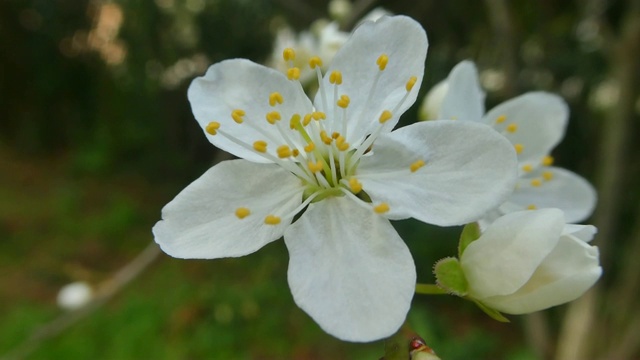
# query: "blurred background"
[[96, 135]]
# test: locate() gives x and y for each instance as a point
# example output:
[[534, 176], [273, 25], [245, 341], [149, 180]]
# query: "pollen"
[[325, 138], [547, 160], [272, 220], [355, 185], [527, 168], [500, 119], [547, 175], [417, 165], [531, 207], [310, 147], [295, 152], [386, 115], [318, 115], [295, 120], [314, 62], [411, 83], [260, 146], [519, 148], [341, 143], [307, 119], [335, 77], [212, 127], [272, 117], [284, 151], [275, 98], [237, 115], [381, 208], [315, 166], [536, 182], [382, 61], [242, 212], [343, 102], [289, 54], [293, 73], [511, 128]]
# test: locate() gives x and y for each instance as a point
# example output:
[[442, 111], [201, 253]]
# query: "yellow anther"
[[511, 128], [355, 185], [275, 98], [272, 220], [536, 182], [335, 135], [315, 61], [284, 151], [317, 115], [527, 168], [237, 115], [531, 207], [289, 54], [547, 175], [411, 83], [341, 143], [519, 148], [386, 115], [260, 146], [343, 102], [335, 77], [242, 212], [212, 127], [500, 119], [307, 119], [547, 160], [310, 146], [295, 152], [293, 73], [325, 138], [417, 165], [315, 166], [382, 61], [272, 117], [381, 208], [295, 120]]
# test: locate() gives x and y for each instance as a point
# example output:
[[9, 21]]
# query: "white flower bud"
[[74, 295]]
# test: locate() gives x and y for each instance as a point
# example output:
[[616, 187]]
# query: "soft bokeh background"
[[96, 135]]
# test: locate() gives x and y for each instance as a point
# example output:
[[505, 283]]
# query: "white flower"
[[534, 123], [337, 165], [74, 295], [531, 260]]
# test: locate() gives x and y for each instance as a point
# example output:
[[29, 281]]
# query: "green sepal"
[[470, 233], [449, 276], [493, 313]]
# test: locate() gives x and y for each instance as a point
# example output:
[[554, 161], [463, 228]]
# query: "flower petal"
[[564, 190], [200, 223], [432, 102], [536, 121], [240, 84], [469, 169], [509, 251], [567, 273], [404, 42], [349, 270], [464, 99]]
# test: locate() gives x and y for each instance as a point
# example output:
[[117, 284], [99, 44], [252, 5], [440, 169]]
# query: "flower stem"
[[429, 289]]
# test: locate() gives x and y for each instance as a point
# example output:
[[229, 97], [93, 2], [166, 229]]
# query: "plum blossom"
[[328, 175]]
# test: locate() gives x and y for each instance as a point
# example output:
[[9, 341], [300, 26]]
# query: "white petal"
[[565, 191], [404, 41], [470, 169], [541, 119], [242, 84], [509, 251], [581, 232], [432, 103], [464, 99], [567, 273], [200, 222], [349, 270]]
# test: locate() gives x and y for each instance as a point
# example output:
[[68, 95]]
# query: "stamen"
[[500, 119], [531, 207], [417, 165], [295, 152], [307, 119], [212, 128], [283, 151], [293, 73], [325, 138], [242, 212], [315, 62], [289, 54], [536, 182], [386, 115], [511, 128], [272, 220], [412, 81], [272, 117], [315, 166], [381, 208], [341, 143], [310, 147], [519, 148], [275, 98], [547, 175], [335, 135], [527, 168], [547, 160], [237, 115], [382, 61], [355, 185], [343, 102], [335, 77], [295, 120], [260, 146], [318, 115]]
